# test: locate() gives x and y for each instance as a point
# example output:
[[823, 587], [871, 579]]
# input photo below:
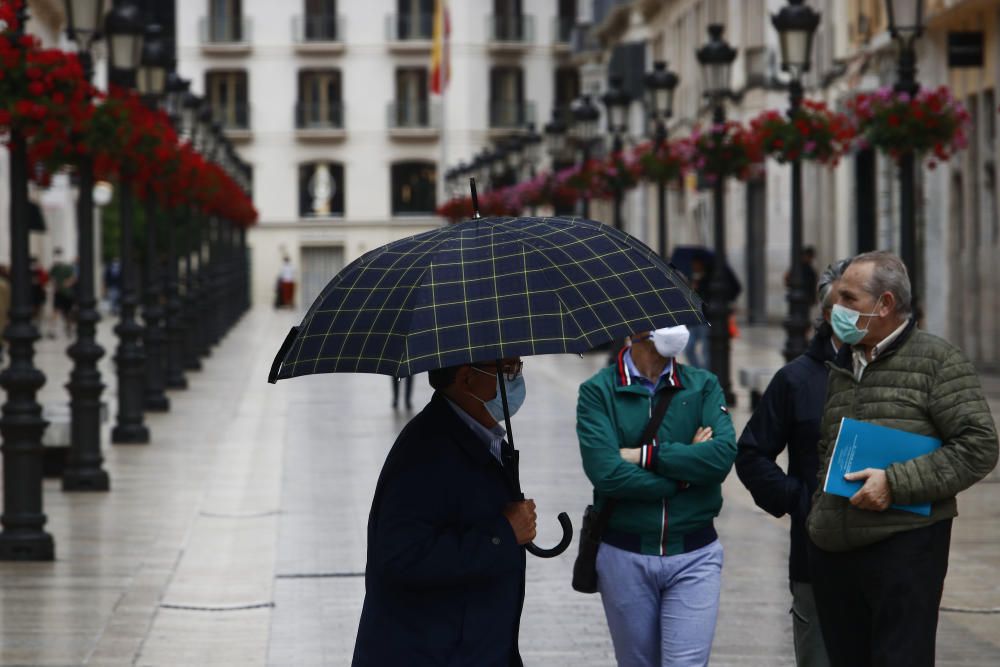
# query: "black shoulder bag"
[[594, 522]]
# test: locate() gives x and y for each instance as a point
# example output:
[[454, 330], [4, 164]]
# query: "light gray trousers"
[[661, 610]]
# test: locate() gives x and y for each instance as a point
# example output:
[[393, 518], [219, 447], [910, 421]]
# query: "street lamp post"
[[716, 58], [796, 23], [152, 84], [617, 102], [906, 24], [191, 315], [177, 89], [558, 146], [21, 424], [125, 31], [583, 131], [660, 85], [83, 470]]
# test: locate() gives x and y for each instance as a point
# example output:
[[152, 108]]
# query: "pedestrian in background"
[[788, 416], [113, 284], [659, 565], [39, 293], [878, 572], [63, 276], [407, 393], [697, 350], [286, 283], [444, 581]]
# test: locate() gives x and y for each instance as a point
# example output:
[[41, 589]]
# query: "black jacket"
[[788, 415], [445, 575]]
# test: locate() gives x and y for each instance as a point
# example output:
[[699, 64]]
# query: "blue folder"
[[862, 445]]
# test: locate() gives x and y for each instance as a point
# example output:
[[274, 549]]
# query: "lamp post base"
[[156, 402], [28, 546], [179, 382], [94, 479], [131, 434]]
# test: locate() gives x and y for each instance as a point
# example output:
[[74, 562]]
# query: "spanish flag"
[[440, 57]]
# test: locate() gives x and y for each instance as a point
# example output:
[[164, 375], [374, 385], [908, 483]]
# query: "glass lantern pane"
[[904, 13], [664, 101], [87, 15], [716, 78], [124, 54], [795, 48]]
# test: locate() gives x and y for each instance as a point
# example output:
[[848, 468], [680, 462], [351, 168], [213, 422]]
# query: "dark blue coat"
[[445, 575], [789, 415]]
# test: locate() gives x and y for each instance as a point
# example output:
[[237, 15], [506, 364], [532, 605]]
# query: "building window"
[[567, 89], [321, 21], [227, 96], [414, 188], [507, 108], [321, 189], [225, 21], [412, 108], [415, 19], [319, 105], [508, 23], [565, 21]]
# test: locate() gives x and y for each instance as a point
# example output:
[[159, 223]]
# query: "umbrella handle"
[[567, 537]]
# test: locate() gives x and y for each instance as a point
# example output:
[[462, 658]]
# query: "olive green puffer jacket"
[[921, 384]]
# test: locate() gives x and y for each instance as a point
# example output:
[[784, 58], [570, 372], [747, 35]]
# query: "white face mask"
[[670, 341]]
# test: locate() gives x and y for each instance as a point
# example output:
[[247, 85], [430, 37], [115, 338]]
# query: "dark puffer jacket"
[[921, 384]]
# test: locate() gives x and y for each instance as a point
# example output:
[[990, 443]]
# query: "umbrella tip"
[[475, 198]]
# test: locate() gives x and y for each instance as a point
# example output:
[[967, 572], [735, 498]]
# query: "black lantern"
[[716, 58], [555, 138], [84, 19], [617, 102], [513, 152], [796, 23], [660, 85], [125, 30], [585, 115], [177, 91], [532, 146], [906, 18], [151, 80]]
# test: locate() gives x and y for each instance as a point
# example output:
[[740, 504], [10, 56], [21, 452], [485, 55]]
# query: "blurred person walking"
[[788, 416], [878, 572], [286, 284], [63, 276]]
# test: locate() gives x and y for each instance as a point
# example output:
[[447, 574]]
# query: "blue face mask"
[[845, 323], [515, 397]]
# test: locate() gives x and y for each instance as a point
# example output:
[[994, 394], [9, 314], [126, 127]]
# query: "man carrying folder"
[[878, 572]]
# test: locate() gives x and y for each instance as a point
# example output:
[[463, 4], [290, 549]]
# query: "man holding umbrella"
[[445, 572]]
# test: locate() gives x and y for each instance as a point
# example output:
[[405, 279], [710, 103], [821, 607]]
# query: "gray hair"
[[889, 274], [824, 287]]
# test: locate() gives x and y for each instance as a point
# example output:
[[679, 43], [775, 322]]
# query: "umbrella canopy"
[[482, 290]]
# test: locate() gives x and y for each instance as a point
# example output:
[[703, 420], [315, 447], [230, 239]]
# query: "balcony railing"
[[518, 29], [318, 28], [409, 27], [511, 115], [315, 116], [225, 30], [408, 115], [562, 30], [232, 116]]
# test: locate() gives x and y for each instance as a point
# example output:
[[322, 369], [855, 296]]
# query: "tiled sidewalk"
[[236, 537]]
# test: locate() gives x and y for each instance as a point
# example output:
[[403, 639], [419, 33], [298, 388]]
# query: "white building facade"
[[330, 103]]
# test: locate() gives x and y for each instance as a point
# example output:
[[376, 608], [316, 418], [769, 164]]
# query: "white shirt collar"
[[861, 360]]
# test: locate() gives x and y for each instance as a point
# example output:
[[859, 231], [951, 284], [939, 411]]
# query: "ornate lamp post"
[[190, 125], [583, 132], [660, 85], [152, 84], [125, 30], [716, 57], [21, 423], [177, 90], [796, 23], [906, 24], [617, 103], [84, 471]]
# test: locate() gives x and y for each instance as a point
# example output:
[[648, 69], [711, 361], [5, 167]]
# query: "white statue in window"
[[322, 188]]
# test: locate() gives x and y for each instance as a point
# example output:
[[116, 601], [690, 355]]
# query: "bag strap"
[[659, 412]]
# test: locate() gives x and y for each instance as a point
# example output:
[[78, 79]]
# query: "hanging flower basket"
[[932, 122], [726, 150], [814, 133], [664, 163], [618, 173]]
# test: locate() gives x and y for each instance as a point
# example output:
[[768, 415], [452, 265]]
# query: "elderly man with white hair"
[[878, 572]]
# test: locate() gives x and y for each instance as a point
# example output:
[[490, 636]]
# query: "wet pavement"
[[237, 537]]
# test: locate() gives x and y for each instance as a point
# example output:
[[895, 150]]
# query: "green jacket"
[[921, 384], [678, 489]]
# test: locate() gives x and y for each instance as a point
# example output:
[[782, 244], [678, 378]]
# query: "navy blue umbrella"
[[482, 290]]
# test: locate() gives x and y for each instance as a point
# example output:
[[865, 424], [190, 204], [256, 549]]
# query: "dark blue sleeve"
[[763, 439], [419, 544]]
